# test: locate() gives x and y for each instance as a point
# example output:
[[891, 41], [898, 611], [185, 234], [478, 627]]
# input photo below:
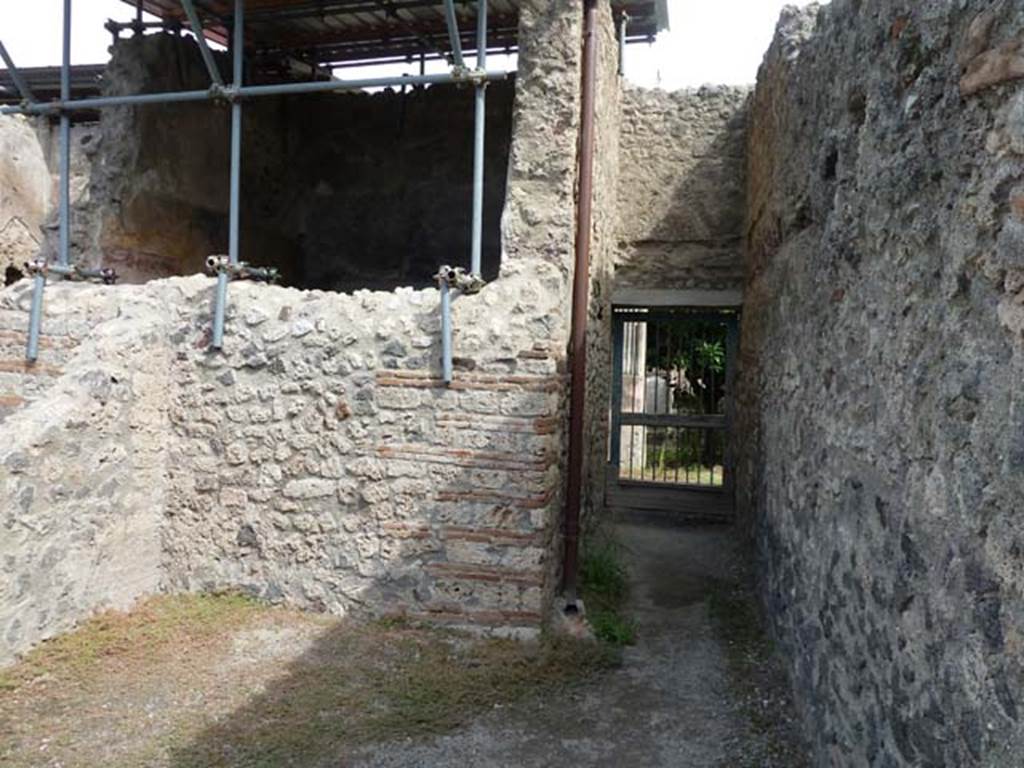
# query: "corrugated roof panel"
[[336, 31]]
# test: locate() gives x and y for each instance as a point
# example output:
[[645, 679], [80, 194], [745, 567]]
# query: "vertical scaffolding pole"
[[479, 132], [447, 364], [35, 319], [65, 142], [236, 132], [623, 25], [220, 301]]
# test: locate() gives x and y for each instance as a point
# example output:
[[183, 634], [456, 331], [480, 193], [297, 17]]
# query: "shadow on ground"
[[680, 697], [361, 684], [190, 680]]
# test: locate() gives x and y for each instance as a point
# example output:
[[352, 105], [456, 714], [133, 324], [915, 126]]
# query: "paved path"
[[669, 705]]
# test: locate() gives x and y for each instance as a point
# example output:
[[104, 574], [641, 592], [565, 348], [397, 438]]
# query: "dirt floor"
[[699, 689], [185, 682]]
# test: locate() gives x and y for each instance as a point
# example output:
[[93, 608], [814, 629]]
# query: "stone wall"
[[682, 171], [319, 459], [340, 191], [83, 469], [882, 354], [602, 267], [24, 194], [29, 190]]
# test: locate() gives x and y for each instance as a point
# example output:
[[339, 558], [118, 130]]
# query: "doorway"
[[672, 384]]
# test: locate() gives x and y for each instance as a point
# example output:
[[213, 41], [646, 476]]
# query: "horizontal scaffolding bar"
[[282, 89]]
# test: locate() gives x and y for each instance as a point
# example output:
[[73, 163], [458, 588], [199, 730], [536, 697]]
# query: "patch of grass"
[[191, 681], [605, 587], [122, 638], [374, 683]]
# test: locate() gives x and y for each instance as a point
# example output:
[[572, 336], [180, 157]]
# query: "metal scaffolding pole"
[[453, 33], [197, 30], [447, 362], [453, 279], [65, 142], [623, 25], [35, 319], [251, 91], [238, 49], [19, 82], [479, 132]]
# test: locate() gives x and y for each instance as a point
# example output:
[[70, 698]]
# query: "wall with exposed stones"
[[882, 355], [318, 459], [83, 460], [29, 185], [608, 118], [682, 191], [24, 194], [340, 191]]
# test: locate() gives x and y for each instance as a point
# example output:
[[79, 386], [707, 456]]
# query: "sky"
[[711, 41]]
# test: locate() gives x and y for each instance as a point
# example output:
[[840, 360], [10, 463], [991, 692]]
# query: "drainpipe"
[[580, 295]]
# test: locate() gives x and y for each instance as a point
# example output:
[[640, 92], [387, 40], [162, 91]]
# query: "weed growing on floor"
[[605, 587]]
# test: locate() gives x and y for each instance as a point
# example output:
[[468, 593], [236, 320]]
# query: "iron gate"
[[671, 411]]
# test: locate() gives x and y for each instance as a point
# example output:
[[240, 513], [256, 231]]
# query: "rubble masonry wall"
[[318, 459], [882, 355]]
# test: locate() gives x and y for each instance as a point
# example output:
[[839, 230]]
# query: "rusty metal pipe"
[[580, 295]]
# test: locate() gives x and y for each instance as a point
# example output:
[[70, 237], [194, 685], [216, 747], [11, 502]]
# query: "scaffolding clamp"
[[477, 76], [221, 264], [220, 92], [72, 272], [460, 279]]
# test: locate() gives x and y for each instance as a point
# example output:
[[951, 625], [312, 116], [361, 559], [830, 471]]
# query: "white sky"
[[712, 41]]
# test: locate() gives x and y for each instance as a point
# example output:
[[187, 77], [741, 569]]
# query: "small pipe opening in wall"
[[571, 609]]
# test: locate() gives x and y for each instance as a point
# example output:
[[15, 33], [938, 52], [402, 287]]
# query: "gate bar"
[[196, 25], [618, 350]]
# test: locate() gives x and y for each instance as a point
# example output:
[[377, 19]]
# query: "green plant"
[[605, 586]]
